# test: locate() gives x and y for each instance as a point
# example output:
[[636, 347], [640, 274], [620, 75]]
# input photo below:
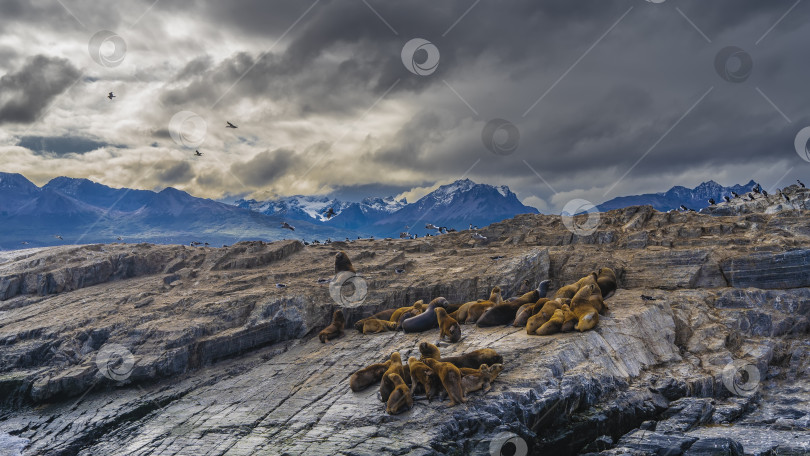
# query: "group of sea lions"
[[431, 375]]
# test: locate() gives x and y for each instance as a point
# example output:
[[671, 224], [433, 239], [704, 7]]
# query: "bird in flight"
[[230, 125], [287, 226], [58, 237], [329, 213], [198, 153], [111, 96]]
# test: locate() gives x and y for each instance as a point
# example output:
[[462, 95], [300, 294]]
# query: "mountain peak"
[[17, 181]]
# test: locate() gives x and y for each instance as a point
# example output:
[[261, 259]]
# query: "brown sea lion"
[[368, 376], [567, 291], [417, 310], [342, 263], [505, 312], [400, 399], [543, 315], [528, 310], [585, 308], [386, 386], [555, 323], [450, 377], [460, 314], [606, 279], [448, 326], [397, 313], [374, 326], [426, 320], [471, 360], [383, 315], [335, 329], [419, 376], [479, 379]]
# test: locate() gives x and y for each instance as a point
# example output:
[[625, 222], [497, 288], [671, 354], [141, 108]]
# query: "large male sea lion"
[[335, 329], [606, 279], [342, 263], [426, 320]]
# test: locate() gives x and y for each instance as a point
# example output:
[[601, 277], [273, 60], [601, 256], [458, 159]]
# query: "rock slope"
[[144, 349]]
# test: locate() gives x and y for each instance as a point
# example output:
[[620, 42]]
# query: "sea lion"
[[450, 377], [397, 313], [368, 376], [460, 314], [448, 326], [556, 322], [471, 360], [400, 399], [453, 307], [475, 311], [505, 312], [426, 320], [343, 263], [335, 329], [383, 315], [419, 377], [479, 379], [543, 315], [374, 326], [584, 307], [606, 279], [386, 385], [417, 310], [528, 310], [567, 291]]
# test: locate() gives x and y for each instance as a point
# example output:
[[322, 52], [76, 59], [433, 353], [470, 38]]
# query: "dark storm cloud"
[[60, 145], [24, 94], [265, 167], [173, 172]]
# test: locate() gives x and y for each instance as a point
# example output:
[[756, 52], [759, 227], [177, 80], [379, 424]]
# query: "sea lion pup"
[[472, 359], [556, 322], [384, 315], [397, 313], [335, 329], [400, 399], [419, 377], [386, 385], [368, 376], [479, 379], [343, 263], [584, 307], [606, 279], [505, 312], [448, 326], [426, 320], [374, 326], [450, 376]]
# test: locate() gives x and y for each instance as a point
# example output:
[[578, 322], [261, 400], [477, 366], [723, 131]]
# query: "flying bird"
[[59, 237], [24, 242], [329, 213], [430, 226], [287, 226], [230, 125], [120, 238], [111, 96], [198, 153]]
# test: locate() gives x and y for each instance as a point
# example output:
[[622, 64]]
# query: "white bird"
[[479, 237]]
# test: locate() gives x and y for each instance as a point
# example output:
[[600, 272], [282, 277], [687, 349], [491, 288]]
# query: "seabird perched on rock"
[[765, 193], [496, 257], [322, 280], [736, 195], [684, 208], [800, 183], [728, 200], [711, 201], [751, 196], [399, 271], [451, 230], [281, 285], [757, 189], [287, 226], [306, 243], [430, 226], [478, 237], [404, 235], [786, 197]]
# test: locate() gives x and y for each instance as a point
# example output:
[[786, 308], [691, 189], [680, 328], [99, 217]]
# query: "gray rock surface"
[[142, 349]]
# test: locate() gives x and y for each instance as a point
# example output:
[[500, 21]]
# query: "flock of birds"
[[751, 196]]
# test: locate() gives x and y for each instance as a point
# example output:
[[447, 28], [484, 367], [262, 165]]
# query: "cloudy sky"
[[597, 98]]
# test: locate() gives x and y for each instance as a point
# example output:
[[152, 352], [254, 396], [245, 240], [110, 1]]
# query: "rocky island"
[[141, 349]]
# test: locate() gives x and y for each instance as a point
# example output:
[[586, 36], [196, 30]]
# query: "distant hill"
[[696, 198], [82, 211]]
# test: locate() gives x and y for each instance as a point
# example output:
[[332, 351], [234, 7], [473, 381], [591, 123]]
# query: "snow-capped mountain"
[[314, 208], [695, 198]]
